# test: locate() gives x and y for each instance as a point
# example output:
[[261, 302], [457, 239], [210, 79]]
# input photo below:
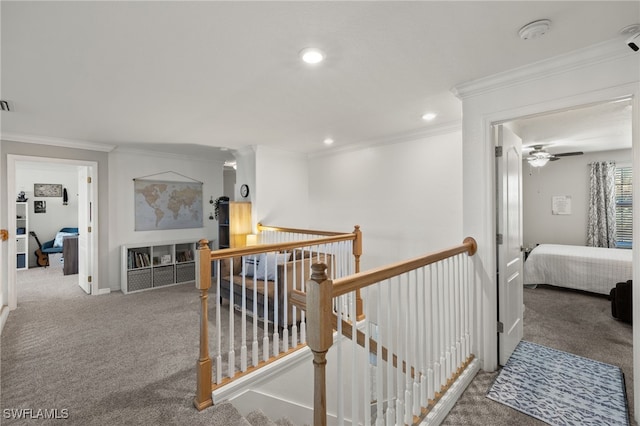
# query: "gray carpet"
[[107, 360], [130, 360], [570, 321]]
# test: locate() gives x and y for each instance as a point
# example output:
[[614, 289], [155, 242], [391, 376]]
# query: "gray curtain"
[[602, 205]]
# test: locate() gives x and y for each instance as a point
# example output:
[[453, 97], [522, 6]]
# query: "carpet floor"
[[130, 359], [571, 321], [107, 360]]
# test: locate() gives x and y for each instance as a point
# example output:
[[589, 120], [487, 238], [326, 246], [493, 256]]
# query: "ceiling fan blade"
[[569, 154], [554, 158]]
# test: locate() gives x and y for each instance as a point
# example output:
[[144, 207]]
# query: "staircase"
[[226, 414]]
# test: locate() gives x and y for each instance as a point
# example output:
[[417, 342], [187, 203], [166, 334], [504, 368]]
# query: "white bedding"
[[593, 269]]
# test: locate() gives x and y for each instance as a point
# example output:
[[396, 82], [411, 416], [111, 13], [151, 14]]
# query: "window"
[[624, 218]]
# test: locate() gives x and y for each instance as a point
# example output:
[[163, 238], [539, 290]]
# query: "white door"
[[85, 219], [509, 226]]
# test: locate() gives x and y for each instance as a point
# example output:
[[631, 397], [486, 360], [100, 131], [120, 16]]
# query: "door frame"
[[632, 91], [12, 159]]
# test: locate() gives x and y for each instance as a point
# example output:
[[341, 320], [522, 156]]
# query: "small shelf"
[[151, 265], [22, 235]]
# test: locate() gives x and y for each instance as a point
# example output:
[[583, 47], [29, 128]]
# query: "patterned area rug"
[[560, 388]]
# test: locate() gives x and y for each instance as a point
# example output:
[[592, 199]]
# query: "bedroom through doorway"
[[555, 206], [57, 202]]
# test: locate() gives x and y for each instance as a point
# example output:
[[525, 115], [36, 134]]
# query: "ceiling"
[[605, 126], [183, 76]]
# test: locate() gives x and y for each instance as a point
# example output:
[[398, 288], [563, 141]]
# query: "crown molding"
[[170, 155], [64, 143], [601, 52], [443, 129]]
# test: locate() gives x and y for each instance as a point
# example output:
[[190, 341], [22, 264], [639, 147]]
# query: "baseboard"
[[4, 314], [449, 399], [102, 291]]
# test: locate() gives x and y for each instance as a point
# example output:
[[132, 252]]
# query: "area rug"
[[560, 388]]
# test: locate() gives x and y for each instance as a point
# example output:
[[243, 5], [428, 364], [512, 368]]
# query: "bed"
[[593, 269]]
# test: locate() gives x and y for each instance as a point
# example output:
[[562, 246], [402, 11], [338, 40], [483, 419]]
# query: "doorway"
[[85, 213], [579, 134]]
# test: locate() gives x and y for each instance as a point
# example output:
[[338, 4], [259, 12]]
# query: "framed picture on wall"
[[47, 190], [39, 206]]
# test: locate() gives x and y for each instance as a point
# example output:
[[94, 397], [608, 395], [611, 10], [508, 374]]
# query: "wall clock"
[[244, 190]]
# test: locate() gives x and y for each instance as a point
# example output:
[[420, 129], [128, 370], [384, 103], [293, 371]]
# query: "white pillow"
[[249, 266], [60, 237], [268, 264]]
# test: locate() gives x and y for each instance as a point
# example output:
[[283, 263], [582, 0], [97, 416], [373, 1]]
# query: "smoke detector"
[[535, 29]]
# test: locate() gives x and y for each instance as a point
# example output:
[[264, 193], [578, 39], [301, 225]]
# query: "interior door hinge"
[[89, 229], [499, 238], [89, 279], [498, 151], [500, 327], [88, 179]]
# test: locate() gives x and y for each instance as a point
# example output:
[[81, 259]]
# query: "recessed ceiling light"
[[429, 116], [312, 55], [328, 141]]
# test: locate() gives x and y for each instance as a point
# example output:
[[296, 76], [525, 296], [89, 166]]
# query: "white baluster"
[[340, 376], [254, 346], [243, 322], [355, 385], [218, 378], [380, 396], [366, 360], [231, 362]]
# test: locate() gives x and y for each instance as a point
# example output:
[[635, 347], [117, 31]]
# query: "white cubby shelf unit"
[[151, 265]]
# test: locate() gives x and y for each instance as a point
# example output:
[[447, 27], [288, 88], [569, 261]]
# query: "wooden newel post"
[[319, 335], [203, 283], [357, 252]]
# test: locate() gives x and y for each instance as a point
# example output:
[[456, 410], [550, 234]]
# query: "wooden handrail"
[[262, 227], [342, 286], [262, 248]]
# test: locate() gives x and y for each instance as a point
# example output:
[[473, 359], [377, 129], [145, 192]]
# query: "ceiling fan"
[[538, 157]]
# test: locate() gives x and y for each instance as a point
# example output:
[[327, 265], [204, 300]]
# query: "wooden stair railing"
[[205, 256], [321, 320]]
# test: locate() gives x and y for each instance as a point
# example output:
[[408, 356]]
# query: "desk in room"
[[70, 255]]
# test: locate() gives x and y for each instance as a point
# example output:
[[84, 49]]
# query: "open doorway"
[[555, 204], [59, 201]]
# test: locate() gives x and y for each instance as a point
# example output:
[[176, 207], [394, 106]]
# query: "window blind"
[[624, 210]]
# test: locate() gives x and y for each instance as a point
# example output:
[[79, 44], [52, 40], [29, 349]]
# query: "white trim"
[[65, 143], [161, 154], [444, 129], [449, 399], [261, 375], [581, 58], [4, 314], [102, 291], [12, 159]]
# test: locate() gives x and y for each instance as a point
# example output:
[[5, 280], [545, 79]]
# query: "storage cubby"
[[22, 235], [146, 266]]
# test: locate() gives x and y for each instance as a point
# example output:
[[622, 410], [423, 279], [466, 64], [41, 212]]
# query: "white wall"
[[281, 189], [568, 176], [406, 196], [57, 215], [124, 166], [603, 72]]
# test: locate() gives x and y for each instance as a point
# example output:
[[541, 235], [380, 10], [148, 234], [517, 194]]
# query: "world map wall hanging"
[[161, 204]]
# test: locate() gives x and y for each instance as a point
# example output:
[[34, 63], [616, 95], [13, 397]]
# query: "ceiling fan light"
[[537, 161]]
